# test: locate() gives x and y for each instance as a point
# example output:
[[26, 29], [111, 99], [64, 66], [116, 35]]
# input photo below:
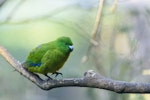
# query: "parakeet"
[[49, 57]]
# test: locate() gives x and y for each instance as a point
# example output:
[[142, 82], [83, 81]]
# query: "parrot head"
[[66, 43]]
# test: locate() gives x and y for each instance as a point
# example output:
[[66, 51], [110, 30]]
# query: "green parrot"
[[49, 57]]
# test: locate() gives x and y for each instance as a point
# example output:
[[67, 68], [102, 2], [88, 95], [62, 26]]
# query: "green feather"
[[49, 57]]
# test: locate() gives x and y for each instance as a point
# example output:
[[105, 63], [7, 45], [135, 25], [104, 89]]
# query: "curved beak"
[[71, 47]]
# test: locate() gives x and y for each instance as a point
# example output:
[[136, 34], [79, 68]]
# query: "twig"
[[13, 11], [90, 79], [114, 6], [94, 32], [98, 19], [2, 2]]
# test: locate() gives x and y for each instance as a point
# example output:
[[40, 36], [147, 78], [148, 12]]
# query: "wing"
[[35, 56], [53, 60]]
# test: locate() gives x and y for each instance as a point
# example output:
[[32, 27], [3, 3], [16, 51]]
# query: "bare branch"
[[2, 2], [114, 6], [98, 19], [94, 32], [90, 79], [13, 11]]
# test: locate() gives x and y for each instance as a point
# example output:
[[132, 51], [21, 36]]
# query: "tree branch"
[[13, 11], [2, 2], [94, 32], [91, 79]]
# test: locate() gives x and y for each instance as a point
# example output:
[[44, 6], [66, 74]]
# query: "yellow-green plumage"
[[49, 57]]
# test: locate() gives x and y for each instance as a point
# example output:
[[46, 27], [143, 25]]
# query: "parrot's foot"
[[48, 77], [57, 73]]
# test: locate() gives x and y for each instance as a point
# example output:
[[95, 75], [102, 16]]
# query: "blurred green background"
[[122, 53]]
